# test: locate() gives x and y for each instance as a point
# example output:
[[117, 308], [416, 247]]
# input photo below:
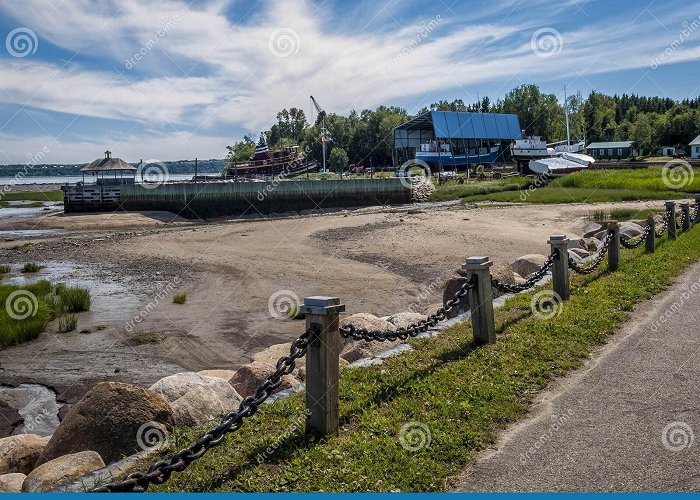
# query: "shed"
[[668, 151], [109, 166], [612, 150], [454, 139], [695, 148]]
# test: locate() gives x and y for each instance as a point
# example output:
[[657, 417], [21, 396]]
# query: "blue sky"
[[172, 79]]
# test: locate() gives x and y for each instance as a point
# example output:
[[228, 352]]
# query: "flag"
[[325, 136]]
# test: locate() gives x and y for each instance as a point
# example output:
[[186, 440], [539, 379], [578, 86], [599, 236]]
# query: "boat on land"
[[285, 161], [560, 164], [438, 154], [530, 148]]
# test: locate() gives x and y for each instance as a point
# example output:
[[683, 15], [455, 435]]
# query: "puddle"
[[18, 210], [28, 233], [37, 406]]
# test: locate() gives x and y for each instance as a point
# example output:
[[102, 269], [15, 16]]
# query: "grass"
[[651, 179], [4, 269], [152, 337], [33, 204], [463, 394], [622, 214], [74, 299], [31, 267], [25, 312], [180, 298], [452, 190], [552, 194], [68, 323], [34, 196]]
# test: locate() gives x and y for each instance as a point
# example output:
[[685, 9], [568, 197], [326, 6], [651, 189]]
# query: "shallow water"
[[36, 404]]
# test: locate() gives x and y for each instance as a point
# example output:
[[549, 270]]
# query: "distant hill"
[[174, 167]]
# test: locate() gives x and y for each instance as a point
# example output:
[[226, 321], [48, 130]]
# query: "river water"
[[72, 179]]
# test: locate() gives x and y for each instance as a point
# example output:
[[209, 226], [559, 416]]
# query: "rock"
[[11, 483], [113, 419], [590, 229], [368, 321], [272, 354], [248, 377], [173, 387], [528, 264], [405, 319], [452, 286], [19, 453], [591, 244], [62, 470], [422, 188], [352, 353], [579, 253], [600, 235], [9, 419], [576, 243], [518, 280], [222, 374], [630, 229]]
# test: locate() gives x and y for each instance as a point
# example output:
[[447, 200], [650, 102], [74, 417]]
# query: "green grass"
[[452, 190], [68, 323], [651, 179], [35, 196], [622, 214], [25, 312], [463, 394], [4, 269], [74, 299], [34, 204], [152, 337], [180, 298], [31, 267]]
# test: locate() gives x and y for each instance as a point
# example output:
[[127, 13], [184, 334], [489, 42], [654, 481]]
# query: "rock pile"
[[421, 188]]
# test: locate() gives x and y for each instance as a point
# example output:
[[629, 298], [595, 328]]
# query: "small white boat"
[[530, 148], [562, 164]]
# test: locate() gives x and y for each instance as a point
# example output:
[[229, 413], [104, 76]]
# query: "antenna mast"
[[322, 114], [566, 114]]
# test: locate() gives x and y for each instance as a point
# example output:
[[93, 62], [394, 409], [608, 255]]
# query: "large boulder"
[[576, 243], [579, 253], [114, 420], [198, 406], [353, 352], [248, 377], [590, 229], [272, 354], [591, 244], [368, 321], [405, 319], [62, 470], [11, 483], [19, 453], [452, 286], [630, 229], [528, 264], [222, 374]]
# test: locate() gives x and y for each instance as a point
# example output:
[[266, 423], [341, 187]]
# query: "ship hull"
[[447, 160]]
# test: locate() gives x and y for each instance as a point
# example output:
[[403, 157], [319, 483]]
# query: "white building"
[[695, 148]]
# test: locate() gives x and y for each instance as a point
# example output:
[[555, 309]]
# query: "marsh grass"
[[74, 299], [180, 298], [31, 267], [67, 323]]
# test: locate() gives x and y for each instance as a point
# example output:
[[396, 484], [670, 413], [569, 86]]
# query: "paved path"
[[623, 422]]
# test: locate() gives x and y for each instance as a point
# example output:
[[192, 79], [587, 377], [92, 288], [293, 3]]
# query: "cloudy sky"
[[174, 79]]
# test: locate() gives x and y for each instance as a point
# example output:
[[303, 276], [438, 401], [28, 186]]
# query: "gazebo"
[[108, 165]]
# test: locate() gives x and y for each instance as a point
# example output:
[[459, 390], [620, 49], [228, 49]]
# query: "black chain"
[[664, 227], [531, 281], [679, 220], [628, 242], [413, 329], [598, 259], [161, 471]]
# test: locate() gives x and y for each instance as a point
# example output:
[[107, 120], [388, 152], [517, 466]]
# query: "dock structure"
[[102, 190], [450, 140]]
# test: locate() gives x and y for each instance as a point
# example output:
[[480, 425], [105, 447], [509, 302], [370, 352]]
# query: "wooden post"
[[560, 271], [322, 364], [481, 299], [685, 210], [697, 213], [650, 244], [614, 248], [671, 212]]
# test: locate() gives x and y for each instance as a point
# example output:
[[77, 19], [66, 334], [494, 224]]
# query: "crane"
[[322, 116]]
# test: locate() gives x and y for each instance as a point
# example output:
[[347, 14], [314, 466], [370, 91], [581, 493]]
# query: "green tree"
[[338, 160], [241, 150]]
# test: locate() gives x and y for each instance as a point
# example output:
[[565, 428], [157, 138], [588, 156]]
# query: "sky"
[[178, 79]]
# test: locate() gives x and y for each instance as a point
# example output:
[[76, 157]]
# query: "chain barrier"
[[695, 212], [412, 330], [531, 281], [628, 242], [161, 471], [596, 262], [679, 220], [664, 227]]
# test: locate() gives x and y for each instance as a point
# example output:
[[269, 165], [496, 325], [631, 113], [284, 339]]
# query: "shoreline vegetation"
[[461, 396]]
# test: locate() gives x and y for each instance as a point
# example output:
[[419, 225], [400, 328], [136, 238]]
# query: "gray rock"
[[404, 319], [62, 470], [249, 377], [352, 353], [11, 483], [452, 286], [579, 253], [528, 264], [590, 229], [176, 386], [368, 321], [19, 453]]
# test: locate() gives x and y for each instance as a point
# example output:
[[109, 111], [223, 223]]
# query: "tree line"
[[366, 137]]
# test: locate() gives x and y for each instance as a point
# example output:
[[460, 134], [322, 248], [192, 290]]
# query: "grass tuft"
[[180, 298], [31, 267], [67, 323], [4, 269], [74, 299]]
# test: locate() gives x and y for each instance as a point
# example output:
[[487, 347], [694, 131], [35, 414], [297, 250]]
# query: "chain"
[[628, 243], [161, 471], [680, 220], [664, 227], [599, 258], [413, 329], [531, 281]]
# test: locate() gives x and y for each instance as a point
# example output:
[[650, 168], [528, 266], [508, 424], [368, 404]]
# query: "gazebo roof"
[[108, 164]]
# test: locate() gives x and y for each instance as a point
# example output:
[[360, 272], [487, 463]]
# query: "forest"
[[366, 136]]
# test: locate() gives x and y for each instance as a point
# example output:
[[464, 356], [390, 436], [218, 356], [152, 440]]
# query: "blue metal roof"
[[466, 125]]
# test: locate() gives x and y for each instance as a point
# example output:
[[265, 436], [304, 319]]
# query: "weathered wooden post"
[[671, 213], [650, 244], [614, 247], [697, 212], [481, 299], [322, 364], [685, 210], [560, 270]]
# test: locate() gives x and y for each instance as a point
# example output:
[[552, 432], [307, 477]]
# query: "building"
[[450, 140], [695, 148], [668, 151], [612, 150]]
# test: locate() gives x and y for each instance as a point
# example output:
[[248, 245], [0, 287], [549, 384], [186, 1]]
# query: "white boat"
[[561, 164], [530, 148], [570, 148]]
